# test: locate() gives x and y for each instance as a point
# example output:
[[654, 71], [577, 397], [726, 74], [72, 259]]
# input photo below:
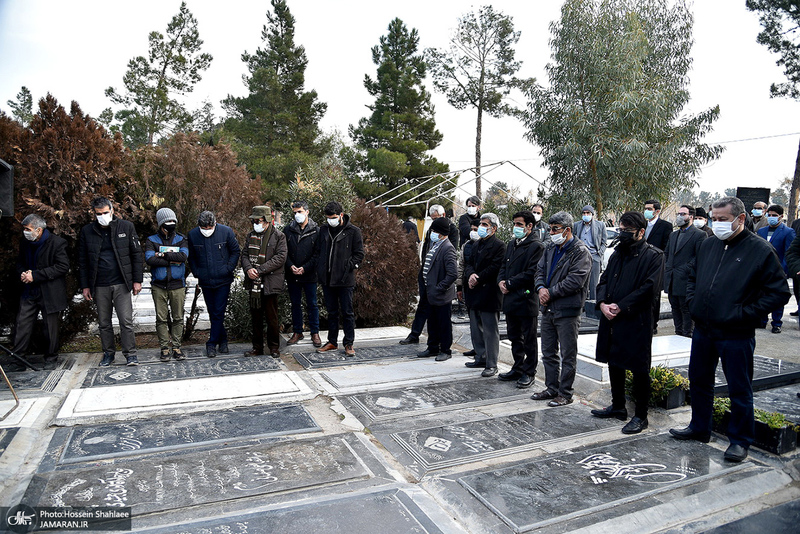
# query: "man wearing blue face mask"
[[759, 219], [780, 237], [593, 233], [735, 280]]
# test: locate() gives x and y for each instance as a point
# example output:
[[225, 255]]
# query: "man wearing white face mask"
[[735, 280], [301, 271], [473, 212], [213, 257], [262, 262], [110, 267], [42, 266], [541, 229]]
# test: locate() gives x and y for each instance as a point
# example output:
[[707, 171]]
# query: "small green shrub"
[[662, 381], [774, 420]]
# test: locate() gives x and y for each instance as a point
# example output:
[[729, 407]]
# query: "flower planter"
[[674, 399], [775, 440]]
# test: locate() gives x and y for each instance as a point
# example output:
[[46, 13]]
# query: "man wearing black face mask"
[[166, 252], [625, 295]]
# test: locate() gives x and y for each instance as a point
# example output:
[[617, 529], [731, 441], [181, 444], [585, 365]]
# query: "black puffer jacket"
[[127, 251], [340, 254], [734, 284], [303, 251]]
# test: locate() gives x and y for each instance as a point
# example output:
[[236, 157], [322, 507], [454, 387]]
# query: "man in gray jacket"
[[593, 233], [562, 285]]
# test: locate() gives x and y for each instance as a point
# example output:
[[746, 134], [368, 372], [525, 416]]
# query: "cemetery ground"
[[383, 442]]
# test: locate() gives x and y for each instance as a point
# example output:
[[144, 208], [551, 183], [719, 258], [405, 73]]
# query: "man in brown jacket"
[[263, 258]]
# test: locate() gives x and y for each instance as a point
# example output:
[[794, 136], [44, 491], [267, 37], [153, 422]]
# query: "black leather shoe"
[[427, 353], [634, 426], [794, 314], [610, 411], [525, 381], [470, 352], [776, 329], [543, 395], [489, 371], [443, 356], [688, 433], [509, 376], [476, 365], [211, 351], [735, 453], [410, 340], [223, 348]]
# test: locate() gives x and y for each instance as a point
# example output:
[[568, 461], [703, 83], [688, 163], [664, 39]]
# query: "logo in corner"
[[21, 518]]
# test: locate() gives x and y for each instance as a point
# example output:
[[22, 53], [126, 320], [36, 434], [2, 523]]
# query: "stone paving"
[[383, 442]]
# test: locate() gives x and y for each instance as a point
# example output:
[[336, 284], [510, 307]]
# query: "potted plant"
[[773, 432], [667, 388]]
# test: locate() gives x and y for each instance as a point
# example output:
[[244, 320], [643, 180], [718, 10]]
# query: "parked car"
[[611, 234]]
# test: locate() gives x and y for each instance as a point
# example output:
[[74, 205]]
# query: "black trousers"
[[422, 314], [641, 389], [522, 334], [268, 311], [681, 317], [26, 319], [440, 328]]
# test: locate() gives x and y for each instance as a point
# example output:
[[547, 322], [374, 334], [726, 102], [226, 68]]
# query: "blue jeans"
[[216, 301], [339, 300], [296, 290], [737, 364]]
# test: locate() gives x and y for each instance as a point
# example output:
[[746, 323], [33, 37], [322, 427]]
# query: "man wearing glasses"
[[562, 283]]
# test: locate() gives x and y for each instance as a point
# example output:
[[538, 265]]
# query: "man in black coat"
[[625, 297], [484, 299], [793, 265], [301, 271], [110, 267], [735, 281], [473, 212], [517, 282], [341, 251], [657, 234], [681, 250], [437, 277], [42, 266], [423, 311]]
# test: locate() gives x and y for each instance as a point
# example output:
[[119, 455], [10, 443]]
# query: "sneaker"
[[132, 360], [178, 354], [776, 329], [211, 351], [108, 357], [223, 348], [165, 355], [559, 401]]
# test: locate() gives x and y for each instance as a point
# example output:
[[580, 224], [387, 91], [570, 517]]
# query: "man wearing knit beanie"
[[166, 252]]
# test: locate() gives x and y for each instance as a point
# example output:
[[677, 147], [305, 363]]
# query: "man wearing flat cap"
[[593, 234], [263, 259], [437, 278]]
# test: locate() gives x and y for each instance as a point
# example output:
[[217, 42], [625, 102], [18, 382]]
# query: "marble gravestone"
[[782, 518], [383, 511], [161, 372], [6, 436], [601, 478], [313, 359], [41, 380], [179, 479], [767, 373], [94, 442], [470, 441], [782, 400]]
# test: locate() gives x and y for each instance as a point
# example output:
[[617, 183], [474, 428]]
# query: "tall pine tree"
[[275, 128], [401, 130]]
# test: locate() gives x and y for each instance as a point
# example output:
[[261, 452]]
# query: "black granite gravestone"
[[767, 373], [313, 359], [782, 400], [160, 372], [529, 495], [384, 511], [32, 380], [166, 481], [135, 437], [782, 518]]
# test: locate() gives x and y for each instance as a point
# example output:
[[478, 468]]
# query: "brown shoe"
[[328, 346], [297, 336], [559, 401], [348, 350], [254, 352], [315, 340]]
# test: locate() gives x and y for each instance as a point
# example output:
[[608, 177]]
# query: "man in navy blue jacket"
[[213, 256], [780, 237]]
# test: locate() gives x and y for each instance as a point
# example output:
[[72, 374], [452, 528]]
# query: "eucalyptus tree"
[[611, 125]]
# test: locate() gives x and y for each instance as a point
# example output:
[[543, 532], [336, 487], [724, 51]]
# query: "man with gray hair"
[[42, 266], [562, 283], [423, 309], [734, 281], [484, 298]]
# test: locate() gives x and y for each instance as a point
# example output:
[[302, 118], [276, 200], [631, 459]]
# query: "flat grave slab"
[[669, 351], [782, 518], [413, 401], [25, 414], [174, 370], [169, 481], [782, 400], [390, 510], [192, 352], [311, 359], [416, 372], [32, 380], [89, 443], [767, 373], [363, 335], [425, 449], [6, 436], [602, 478], [131, 401]]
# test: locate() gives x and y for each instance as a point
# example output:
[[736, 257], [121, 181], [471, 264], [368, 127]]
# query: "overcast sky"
[[75, 49]]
